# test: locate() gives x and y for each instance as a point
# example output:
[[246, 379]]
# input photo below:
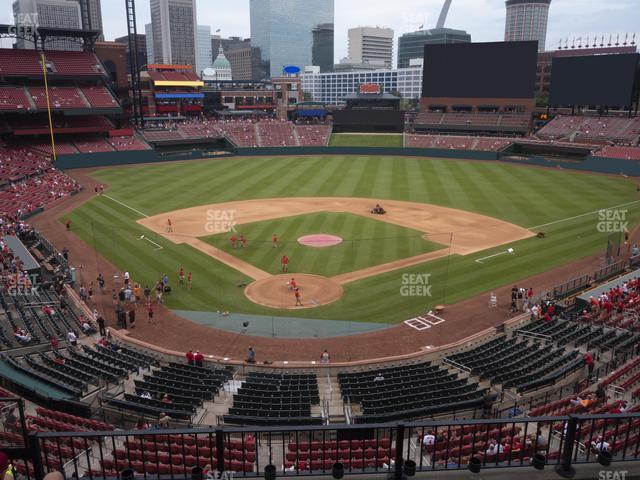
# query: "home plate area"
[[424, 321]]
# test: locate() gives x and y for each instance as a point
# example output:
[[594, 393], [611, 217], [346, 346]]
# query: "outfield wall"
[[614, 166]]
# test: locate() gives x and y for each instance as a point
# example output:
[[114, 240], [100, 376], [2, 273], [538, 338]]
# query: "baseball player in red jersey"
[[189, 280], [181, 275], [274, 240], [285, 263]]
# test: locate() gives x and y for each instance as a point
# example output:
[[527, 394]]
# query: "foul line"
[[479, 260], [583, 215], [151, 241], [125, 205]]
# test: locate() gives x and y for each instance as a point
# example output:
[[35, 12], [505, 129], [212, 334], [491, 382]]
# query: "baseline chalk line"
[[125, 205], [583, 215]]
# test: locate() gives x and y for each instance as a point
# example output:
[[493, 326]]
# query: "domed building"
[[221, 67]]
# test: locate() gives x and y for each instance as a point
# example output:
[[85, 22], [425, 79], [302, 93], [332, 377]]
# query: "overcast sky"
[[483, 19]]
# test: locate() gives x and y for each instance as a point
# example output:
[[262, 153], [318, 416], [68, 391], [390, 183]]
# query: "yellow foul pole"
[[46, 91]]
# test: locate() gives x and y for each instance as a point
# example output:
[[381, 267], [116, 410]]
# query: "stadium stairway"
[[330, 398], [32, 104], [84, 98], [258, 137], [295, 135]]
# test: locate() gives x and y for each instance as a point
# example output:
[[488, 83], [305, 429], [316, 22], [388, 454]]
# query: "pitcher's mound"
[[276, 292], [320, 240]]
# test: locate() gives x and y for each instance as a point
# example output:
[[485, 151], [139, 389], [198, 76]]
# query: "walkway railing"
[[558, 442]]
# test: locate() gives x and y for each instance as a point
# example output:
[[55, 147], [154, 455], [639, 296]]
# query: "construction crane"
[[443, 14]]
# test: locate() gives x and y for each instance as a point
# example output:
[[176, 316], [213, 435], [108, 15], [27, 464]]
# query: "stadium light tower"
[[136, 89], [443, 14]]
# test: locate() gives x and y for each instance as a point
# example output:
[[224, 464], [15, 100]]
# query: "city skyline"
[[483, 19]]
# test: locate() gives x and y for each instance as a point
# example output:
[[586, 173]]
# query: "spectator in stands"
[[146, 395], [601, 393], [22, 335], [494, 448], [541, 441], [166, 399], [163, 420], [600, 445], [189, 356], [142, 425], [429, 439], [635, 250], [72, 339], [101, 326], [198, 358], [378, 378], [86, 327], [54, 342], [588, 361], [586, 402]]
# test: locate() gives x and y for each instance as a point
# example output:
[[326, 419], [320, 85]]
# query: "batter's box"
[[418, 324], [432, 319]]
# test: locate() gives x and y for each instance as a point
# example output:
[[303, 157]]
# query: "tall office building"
[[411, 45], [371, 45], [527, 20], [283, 30], [148, 33], [204, 55], [141, 44], [174, 28], [51, 13], [322, 49]]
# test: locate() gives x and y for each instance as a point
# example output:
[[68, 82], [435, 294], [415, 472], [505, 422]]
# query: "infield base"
[[275, 291]]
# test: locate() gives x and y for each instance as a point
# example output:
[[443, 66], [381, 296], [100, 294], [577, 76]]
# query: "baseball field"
[[446, 236]]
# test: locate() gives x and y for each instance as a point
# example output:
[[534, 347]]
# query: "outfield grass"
[[352, 140], [366, 242], [522, 195]]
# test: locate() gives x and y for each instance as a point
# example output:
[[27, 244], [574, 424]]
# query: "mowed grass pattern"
[[365, 140], [366, 242], [522, 195]]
